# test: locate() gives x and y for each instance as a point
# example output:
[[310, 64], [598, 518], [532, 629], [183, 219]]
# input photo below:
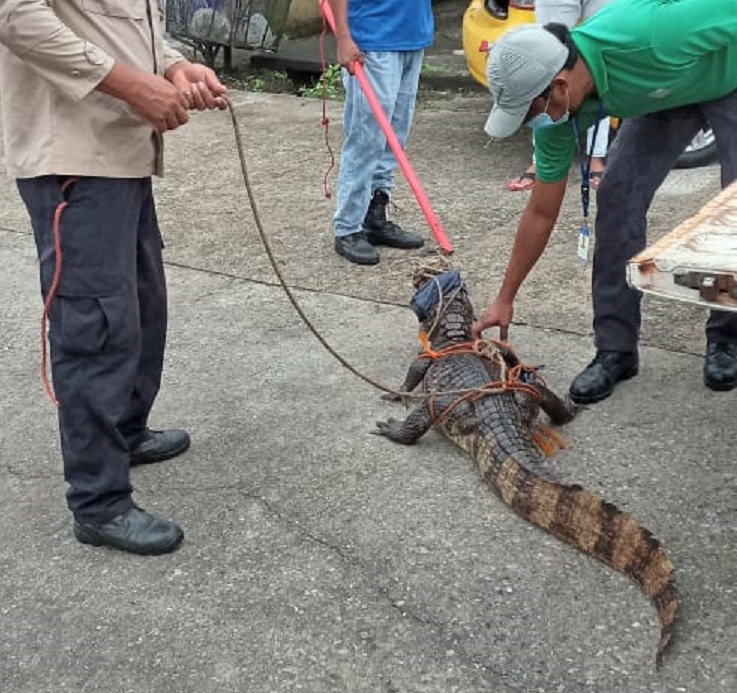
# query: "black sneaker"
[[596, 382], [380, 231], [720, 365], [356, 248]]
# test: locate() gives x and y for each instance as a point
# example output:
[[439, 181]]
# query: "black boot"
[[356, 248], [720, 365], [157, 446], [383, 232], [597, 380], [135, 531]]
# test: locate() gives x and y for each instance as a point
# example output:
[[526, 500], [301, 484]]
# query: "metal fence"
[[210, 24]]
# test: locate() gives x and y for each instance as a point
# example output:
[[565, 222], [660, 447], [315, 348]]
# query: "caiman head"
[[442, 306]]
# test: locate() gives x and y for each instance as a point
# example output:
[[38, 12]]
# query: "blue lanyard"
[[584, 161]]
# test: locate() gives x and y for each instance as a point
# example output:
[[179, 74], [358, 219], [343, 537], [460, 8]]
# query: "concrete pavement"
[[318, 557]]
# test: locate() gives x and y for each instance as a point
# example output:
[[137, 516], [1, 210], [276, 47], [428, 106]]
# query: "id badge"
[[584, 238]]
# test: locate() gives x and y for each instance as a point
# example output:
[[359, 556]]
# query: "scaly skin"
[[496, 432]]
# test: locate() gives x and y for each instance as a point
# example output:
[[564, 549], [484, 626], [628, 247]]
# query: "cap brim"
[[504, 123]]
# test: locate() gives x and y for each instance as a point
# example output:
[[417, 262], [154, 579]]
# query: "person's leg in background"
[[639, 160], [363, 146], [95, 337], [526, 180], [601, 144], [380, 230], [720, 364], [598, 150]]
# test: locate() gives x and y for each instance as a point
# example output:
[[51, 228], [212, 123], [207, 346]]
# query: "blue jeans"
[[367, 163]]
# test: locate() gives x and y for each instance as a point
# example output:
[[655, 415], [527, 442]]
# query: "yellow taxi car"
[[484, 21]]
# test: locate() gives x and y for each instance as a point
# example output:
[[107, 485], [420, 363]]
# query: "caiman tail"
[[497, 424], [581, 518]]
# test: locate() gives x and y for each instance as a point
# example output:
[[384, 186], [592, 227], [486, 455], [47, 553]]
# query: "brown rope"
[[484, 348]]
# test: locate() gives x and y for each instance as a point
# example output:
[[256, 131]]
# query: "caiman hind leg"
[[421, 419], [561, 410], [407, 431]]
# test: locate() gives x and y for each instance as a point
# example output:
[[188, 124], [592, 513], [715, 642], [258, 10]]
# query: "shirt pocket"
[[125, 9]]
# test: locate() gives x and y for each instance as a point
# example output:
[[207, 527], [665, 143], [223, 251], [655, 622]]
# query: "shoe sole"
[[593, 400], [395, 245], [136, 461], [373, 240], [86, 536], [720, 387], [359, 261]]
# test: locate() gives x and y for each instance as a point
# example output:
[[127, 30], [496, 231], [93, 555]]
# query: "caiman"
[[479, 395]]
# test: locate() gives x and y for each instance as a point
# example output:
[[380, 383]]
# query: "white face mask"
[[544, 119]]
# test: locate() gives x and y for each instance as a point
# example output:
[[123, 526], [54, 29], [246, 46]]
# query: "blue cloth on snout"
[[427, 297]]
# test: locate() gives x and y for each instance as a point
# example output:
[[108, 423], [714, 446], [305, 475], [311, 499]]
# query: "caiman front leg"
[[409, 430], [415, 374]]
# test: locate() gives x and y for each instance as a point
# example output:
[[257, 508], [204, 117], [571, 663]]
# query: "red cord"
[[325, 119], [56, 229]]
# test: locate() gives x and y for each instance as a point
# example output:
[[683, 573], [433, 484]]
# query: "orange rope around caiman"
[[489, 349], [544, 437]]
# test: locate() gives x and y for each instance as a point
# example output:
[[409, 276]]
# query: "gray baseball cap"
[[522, 63]]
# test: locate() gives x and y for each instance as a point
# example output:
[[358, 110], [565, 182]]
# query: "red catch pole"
[[394, 144]]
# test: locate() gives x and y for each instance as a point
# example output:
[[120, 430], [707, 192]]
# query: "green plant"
[[255, 84], [329, 84], [430, 69]]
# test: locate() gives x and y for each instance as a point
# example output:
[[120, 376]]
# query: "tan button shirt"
[[53, 53]]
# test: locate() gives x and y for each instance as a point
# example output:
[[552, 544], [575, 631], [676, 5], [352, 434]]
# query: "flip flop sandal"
[[525, 182]]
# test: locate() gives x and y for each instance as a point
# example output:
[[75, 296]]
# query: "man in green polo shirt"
[[666, 67]]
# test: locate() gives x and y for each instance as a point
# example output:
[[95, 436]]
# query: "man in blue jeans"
[[667, 67], [388, 37]]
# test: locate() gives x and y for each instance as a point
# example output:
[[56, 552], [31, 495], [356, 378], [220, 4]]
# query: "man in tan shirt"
[[87, 89]]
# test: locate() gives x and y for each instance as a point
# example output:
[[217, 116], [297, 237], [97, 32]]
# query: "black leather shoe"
[[135, 531], [596, 382], [379, 231], [157, 446], [356, 248], [720, 365]]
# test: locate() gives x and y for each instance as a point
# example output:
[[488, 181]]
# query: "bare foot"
[[525, 182]]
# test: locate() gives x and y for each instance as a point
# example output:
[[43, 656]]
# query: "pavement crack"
[[398, 304], [277, 284], [442, 628], [576, 333], [294, 524]]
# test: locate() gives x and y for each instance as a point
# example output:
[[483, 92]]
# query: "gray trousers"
[[107, 328], [640, 158]]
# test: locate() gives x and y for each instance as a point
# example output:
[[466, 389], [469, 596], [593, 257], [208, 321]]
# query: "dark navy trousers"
[[640, 158], [107, 328]]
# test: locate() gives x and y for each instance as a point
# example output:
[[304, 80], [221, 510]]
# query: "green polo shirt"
[[646, 56]]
